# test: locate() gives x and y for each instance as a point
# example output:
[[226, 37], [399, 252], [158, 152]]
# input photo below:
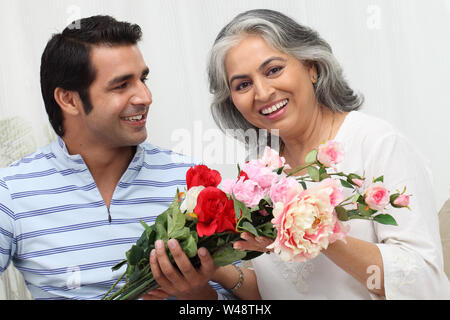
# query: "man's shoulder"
[[33, 162], [162, 155]]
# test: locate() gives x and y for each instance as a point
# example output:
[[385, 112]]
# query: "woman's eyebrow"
[[262, 66]]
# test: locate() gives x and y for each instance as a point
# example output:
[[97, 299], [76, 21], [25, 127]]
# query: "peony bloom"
[[376, 196], [272, 159], [306, 225], [335, 190], [284, 190], [330, 153], [260, 173], [248, 191]]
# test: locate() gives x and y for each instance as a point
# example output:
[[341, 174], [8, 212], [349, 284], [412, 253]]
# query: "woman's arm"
[[361, 259], [228, 277]]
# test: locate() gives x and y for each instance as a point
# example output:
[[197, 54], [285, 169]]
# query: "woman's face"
[[271, 89]]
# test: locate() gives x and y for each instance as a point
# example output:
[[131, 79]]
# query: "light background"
[[396, 52]]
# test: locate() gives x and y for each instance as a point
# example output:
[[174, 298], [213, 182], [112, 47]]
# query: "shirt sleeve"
[[7, 246], [412, 251]]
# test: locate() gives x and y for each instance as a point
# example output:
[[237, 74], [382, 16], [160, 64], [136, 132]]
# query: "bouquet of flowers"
[[303, 214]]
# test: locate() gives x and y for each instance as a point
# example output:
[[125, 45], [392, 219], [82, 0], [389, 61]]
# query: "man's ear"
[[68, 100]]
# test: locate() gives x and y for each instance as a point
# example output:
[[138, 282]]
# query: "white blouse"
[[411, 251]]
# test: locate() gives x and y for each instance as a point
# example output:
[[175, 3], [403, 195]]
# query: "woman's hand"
[[253, 243], [185, 283]]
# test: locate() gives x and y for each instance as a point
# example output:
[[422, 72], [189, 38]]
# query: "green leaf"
[[119, 265], [226, 256], [346, 184], [385, 219], [380, 178], [303, 184], [323, 174], [314, 173], [182, 234], [247, 226], [341, 213], [365, 210], [189, 246], [311, 157], [135, 254], [175, 221]]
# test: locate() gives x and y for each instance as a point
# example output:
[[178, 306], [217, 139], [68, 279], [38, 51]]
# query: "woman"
[[268, 72]]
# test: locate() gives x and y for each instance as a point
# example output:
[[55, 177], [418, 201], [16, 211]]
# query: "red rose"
[[201, 175], [215, 212], [243, 174]]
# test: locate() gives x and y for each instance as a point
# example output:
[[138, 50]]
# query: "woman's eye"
[[242, 85], [274, 70]]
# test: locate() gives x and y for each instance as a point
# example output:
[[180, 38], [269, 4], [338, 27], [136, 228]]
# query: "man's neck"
[[106, 164]]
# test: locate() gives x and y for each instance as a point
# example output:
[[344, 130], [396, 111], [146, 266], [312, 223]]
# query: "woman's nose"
[[263, 90]]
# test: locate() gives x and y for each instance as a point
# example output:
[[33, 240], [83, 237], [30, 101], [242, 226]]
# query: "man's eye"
[[122, 86], [144, 79]]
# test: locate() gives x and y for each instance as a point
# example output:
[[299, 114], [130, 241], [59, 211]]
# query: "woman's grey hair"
[[286, 35]]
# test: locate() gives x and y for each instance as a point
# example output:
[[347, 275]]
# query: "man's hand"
[[188, 283]]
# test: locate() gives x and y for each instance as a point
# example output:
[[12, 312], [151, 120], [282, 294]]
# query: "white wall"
[[394, 51]]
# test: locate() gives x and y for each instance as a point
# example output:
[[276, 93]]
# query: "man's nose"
[[143, 95]]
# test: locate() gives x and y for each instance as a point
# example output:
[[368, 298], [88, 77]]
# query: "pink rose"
[[401, 201], [358, 182], [376, 196], [330, 153]]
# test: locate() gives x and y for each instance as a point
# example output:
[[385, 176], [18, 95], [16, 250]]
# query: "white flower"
[[190, 201]]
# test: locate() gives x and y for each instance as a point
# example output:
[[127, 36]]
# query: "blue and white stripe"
[[53, 219]]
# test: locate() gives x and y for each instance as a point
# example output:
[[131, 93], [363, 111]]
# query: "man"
[[69, 211]]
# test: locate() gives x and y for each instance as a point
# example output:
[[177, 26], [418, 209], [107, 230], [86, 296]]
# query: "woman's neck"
[[323, 126]]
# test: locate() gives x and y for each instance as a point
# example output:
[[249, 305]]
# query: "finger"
[[156, 294], [181, 259], [167, 268], [207, 263], [157, 272], [264, 241]]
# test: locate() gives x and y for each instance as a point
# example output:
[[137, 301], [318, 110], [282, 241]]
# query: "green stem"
[[114, 285], [300, 168]]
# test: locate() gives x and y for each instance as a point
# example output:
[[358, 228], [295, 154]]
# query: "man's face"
[[119, 97]]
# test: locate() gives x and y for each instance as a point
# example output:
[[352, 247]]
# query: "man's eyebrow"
[[265, 63], [126, 77]]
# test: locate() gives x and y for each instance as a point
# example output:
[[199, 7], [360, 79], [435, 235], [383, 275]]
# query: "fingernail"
[[153, 252], [159, 244], [237, 246], [202, 251], [172, 243]]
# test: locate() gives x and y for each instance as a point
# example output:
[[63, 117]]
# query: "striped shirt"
[[56, 228]]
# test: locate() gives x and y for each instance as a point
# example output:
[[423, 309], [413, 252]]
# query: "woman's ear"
[[68, 100], [312, 69]]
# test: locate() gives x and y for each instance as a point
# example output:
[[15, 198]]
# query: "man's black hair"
[[65, 62]]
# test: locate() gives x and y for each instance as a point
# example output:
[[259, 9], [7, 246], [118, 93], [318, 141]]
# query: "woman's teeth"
[[134, 118], [274, 108]]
